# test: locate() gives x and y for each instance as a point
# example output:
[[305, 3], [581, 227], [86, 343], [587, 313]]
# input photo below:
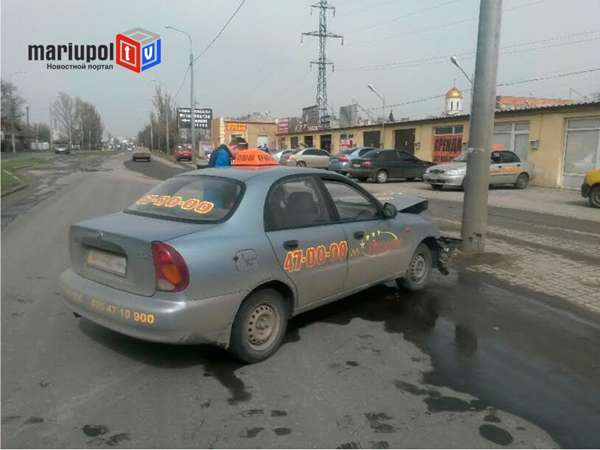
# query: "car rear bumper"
[[152, 318], [443, 179], [585, 190], [339, 167]]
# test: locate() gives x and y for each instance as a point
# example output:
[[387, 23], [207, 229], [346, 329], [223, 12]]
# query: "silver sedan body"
[[309, 157], [113, 279], [505, 168]]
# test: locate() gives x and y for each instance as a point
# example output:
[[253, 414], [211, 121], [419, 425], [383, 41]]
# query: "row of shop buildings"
[[560, 137], [562, 141]]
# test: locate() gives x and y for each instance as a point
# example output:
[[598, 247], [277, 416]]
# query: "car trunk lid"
[[116, 250]]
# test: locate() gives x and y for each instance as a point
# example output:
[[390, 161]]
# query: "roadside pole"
[[192, 127], [483, 106], [168, 146]]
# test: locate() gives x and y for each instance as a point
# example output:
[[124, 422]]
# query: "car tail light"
[[171, 271], [365, 164], [343, 158]]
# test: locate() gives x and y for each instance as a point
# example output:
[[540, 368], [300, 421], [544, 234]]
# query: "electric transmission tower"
[[322, 62]]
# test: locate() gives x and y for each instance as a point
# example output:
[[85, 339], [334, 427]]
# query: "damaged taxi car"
[[227, 255]]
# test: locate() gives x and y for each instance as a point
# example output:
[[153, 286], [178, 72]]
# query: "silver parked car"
[[340, 162], [309, 157], [228, 255], [505, 168]]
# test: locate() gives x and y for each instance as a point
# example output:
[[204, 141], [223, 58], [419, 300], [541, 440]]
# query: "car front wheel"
[[419, 270], [301, 164], [594, 197], [259, 326], [437, 187]]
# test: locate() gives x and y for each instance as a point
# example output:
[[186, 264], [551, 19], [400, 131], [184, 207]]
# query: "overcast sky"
[[259, 63]]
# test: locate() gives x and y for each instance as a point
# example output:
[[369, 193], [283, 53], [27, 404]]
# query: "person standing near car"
[[224, 155]]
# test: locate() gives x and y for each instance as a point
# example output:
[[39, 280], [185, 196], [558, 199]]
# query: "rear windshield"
[[191, 199]]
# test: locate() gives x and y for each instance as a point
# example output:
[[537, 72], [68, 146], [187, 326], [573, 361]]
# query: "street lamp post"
[[382, 98], [454, 60], [192, 127]]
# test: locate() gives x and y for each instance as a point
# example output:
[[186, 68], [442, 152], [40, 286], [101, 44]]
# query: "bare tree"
[[12, 111], [64, 112]]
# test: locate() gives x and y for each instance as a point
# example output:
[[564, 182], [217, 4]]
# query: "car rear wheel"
[[522, 181], [594, 197], [381, 177], [437, 187], [259, 326], [419, 270], [300, 164]]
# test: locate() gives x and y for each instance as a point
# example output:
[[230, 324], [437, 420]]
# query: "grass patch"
[[10, 178]]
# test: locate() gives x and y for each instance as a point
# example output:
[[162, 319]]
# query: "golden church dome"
[[454, 92]]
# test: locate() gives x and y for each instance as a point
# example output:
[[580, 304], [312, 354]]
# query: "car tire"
[[300, 164], [250, 342], [381, 176], [522, 181], [362, 179], [419, 270], [594, 197], [437, 187]]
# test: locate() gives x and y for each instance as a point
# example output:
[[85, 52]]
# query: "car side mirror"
[[389, 211]]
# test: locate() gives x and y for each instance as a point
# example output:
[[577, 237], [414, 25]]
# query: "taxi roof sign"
[[254, 157]]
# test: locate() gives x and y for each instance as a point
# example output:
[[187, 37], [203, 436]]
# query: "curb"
[[15, 189]]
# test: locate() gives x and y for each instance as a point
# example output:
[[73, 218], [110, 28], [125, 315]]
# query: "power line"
[[441, 26], [507, 83], [444, 58], [405, 16], [221, 30], [182, 83]]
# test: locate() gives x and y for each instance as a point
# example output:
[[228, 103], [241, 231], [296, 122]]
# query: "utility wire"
[[444, 58], [405, 16], [507, 83], [440, 26], [182, 83], [220, 31]]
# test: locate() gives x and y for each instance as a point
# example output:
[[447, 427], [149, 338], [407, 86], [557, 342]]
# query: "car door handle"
[[290, 245], [359, 235]]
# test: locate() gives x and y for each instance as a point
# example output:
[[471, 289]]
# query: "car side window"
[[405, 156], [496, 158], [388, 156], [510, 157], [351, 204], [309, 152], [296, 203], [322, 153]]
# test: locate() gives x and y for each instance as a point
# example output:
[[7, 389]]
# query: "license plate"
[[108, 262], [355, 165]]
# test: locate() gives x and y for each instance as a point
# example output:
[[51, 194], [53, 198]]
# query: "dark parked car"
[[381, 165], [340, 163]]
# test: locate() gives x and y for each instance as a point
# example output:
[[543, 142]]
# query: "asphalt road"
[[465, 363]]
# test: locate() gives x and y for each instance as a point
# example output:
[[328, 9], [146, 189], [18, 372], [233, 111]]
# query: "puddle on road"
[[454, 325], [451, 322]]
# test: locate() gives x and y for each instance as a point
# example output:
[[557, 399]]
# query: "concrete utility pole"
[[322, 62], [483, 107]]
